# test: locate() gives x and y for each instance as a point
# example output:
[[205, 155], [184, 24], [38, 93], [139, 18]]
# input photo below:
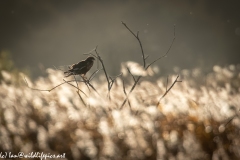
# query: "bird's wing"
[[80, 65]]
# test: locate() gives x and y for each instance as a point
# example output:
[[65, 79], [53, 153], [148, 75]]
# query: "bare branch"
[[167, 84], [97, 56], [40, 89], [131, 74], [79, 93], [167, 90], [104, 69], [139, 41], [76, 81], [124, 91], [134, 85], [113, 80], [144, 63], [109, 79], [229, 120], [88, 83], [146, 57], [81, 98], [74, 87], [48, 90]]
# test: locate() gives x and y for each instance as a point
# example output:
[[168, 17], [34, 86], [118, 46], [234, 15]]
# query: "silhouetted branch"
[[139, 41], [144, 61]]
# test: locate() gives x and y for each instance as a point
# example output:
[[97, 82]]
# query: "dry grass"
[[198, 119]]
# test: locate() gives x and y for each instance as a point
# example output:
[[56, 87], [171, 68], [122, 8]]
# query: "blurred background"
[[39, 34], [198, 119]]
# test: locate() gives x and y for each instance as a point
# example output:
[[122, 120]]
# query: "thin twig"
[[124, 91], [81, 98], [131, 74], [92, 87], [104, 69], [74, 87], [113, 79], [86, 83], [231, 118], [134, 85], [139, 41], [49, 90], [167, 84], [165, 55], [76, 81], [97, 56], [94, 74], [78, 92], [167, 90]]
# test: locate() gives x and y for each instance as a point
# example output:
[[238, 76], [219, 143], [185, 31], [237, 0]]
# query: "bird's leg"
[[86, 81], [84, 78]]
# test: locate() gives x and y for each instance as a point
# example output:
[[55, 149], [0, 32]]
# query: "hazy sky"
[[59, 32]]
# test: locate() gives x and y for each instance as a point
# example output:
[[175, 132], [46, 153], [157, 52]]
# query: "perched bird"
[[80, 68]]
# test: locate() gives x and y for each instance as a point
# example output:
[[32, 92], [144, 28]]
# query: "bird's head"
[[90, 59]]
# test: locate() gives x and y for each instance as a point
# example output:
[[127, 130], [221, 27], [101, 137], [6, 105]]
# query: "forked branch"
[[136, 80], [140, 43]]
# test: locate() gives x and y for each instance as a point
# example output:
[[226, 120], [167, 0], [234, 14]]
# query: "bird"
[[80, 68]]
